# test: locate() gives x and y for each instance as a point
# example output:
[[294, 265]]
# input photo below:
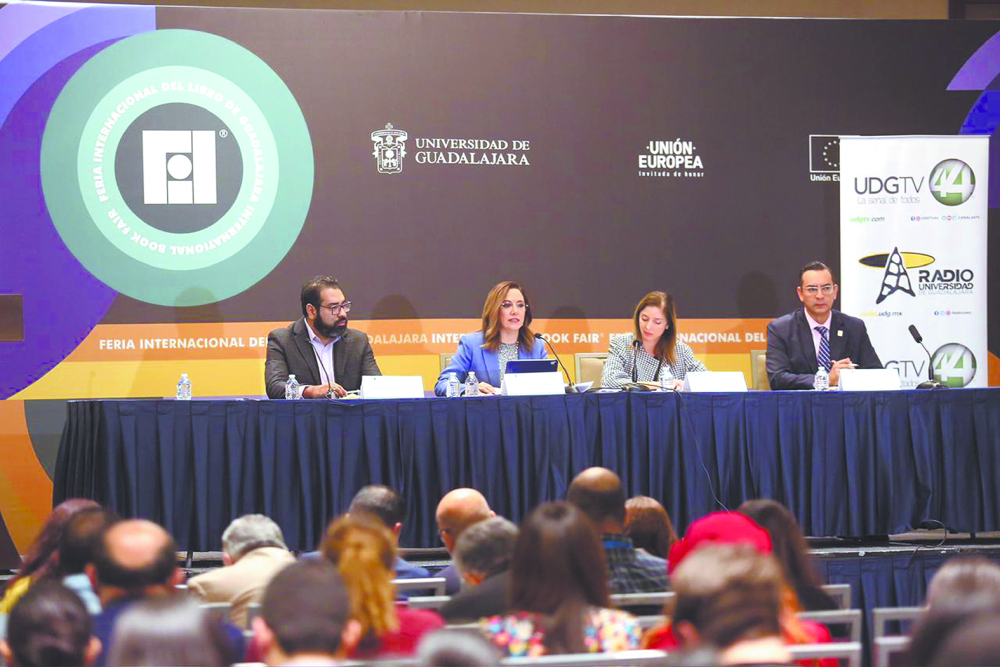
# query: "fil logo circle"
[[952, 182], [191, 167], [954, 365], [177, 167]]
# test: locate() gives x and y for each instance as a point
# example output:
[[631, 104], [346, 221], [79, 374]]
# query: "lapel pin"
[[840, 333]]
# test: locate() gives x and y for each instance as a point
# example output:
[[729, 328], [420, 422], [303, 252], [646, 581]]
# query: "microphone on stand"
[[570, 388], [635, 361], [634, 384], [931, 382]]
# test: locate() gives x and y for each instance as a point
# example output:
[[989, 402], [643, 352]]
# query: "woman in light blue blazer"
[[505, 335]]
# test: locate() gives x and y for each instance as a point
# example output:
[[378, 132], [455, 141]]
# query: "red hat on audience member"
[[719, 528]]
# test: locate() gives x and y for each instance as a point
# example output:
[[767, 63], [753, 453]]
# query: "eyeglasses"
[[813, 290], [337, 308], [510, 304]]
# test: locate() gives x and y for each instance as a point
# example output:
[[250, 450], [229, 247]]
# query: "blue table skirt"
[[845, 464]]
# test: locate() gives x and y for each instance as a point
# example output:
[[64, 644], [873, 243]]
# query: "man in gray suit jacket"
[[326, 357]]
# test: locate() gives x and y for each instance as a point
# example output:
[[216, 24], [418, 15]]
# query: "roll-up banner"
[[913, 225]]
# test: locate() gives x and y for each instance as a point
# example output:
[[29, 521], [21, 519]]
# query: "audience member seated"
[[648, 525], [729, 597], [458, 510], [169, 630], [735, 528], [961, 591], [456, 648], [49, 626], [42, 559], [598, 493], [306, 617], [559, 591], [76, 550], [389, 507], [363, 550], [253, 551], [788, 546], [483, 553], [964, 578], [136, 560], [975, 643]]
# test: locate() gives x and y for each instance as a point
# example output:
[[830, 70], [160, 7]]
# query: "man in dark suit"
[[483, 551], [797, 342], [326, 357], [388, 507], [459, 509]]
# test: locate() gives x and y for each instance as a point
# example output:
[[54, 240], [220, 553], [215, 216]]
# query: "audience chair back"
[[590, 659], [847, 651], [647, 622], [590, 367], [883, 616], [217, 610], [427, 601], [885, 647], [463, 626], [435, 584], [641, 599], [841, 594], [848, 617]]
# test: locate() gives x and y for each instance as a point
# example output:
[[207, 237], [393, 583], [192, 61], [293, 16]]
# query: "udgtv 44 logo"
[[951, 182]]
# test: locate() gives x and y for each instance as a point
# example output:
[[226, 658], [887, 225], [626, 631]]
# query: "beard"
[[329, 330], [340, 327]]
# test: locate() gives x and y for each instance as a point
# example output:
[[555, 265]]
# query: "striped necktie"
[[823, 357]]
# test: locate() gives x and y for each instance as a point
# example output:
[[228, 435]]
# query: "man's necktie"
[[823, 357]]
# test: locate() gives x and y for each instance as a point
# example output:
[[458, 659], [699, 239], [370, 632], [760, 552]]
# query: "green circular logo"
[[952, 182], [177, 167], [954, 365]]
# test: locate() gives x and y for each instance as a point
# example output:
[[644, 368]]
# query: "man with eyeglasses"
[[326, 357], [816, 334]]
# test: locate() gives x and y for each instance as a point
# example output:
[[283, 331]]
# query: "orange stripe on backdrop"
[[248, 340], [993, 365], [25, 489]]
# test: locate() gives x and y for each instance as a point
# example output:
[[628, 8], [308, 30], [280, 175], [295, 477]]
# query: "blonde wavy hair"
[[363, 550]]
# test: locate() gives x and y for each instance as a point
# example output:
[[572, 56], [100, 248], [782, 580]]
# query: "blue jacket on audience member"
[[402, 569], [104, 625], [470, 356]]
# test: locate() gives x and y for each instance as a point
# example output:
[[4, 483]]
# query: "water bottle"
[[454, 386], [822, 381], [184, 388], [666, 380], [471, 385], [292, 392]]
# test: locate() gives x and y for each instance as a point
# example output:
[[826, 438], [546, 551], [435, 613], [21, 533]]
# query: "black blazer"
[[290, 352], [791, 354], [489, 598]]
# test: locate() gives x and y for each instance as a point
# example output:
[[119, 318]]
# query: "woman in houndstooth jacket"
[[660, 355]]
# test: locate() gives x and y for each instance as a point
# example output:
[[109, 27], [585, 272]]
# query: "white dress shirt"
[[324, 355]]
